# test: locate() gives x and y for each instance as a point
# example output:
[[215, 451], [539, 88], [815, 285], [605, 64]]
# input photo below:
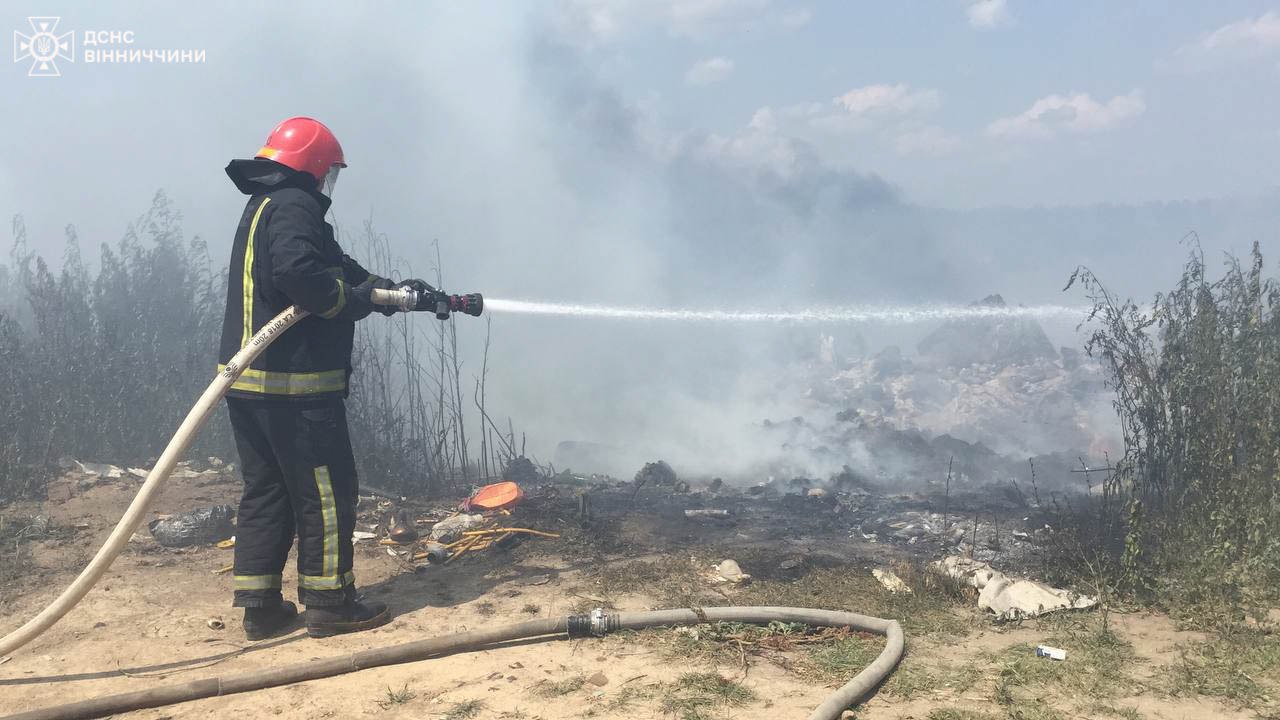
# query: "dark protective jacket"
[[285, 254]]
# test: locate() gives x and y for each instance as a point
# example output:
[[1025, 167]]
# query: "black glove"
[[428, 297], [364, 291], [419, 286]]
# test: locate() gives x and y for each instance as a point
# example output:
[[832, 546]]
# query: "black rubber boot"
[[261, 623], [351, 616]]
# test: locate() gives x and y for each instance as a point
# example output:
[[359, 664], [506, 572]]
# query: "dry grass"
[[549, 689], [1242, 668], [465, 710], [695, 696]]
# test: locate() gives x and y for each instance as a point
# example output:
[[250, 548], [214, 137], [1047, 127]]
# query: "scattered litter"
[[224, 569], [184, 472], [434, 553], [729, 571], [1052, 653], [816, 493], [197, 527], [1009, 598], [215, 624], [494, 497], [708, 514], [100, 470], [139, 472], [400, 528], [891, 581], [1013, 599], [450, 529], [358, 535], [228, 543]]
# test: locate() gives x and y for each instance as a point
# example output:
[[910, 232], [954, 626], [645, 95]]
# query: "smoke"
[[508, 136]]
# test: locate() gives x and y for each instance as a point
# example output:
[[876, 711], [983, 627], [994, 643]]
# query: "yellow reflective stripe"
[[342, 301], [285, 383], [247, 282], [320, 582], [329, 516], [257, 582]]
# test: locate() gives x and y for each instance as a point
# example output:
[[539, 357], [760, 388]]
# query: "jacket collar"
[[259, 175]]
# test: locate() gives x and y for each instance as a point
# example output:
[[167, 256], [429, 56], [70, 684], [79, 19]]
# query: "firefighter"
[[287, 409]]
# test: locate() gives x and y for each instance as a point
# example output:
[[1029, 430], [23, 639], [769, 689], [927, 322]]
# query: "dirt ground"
[[147, 623]]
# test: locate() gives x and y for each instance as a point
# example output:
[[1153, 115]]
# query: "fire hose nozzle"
[[408, 299], [470, 304]]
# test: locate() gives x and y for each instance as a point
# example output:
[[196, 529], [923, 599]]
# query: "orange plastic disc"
[[496, 496]]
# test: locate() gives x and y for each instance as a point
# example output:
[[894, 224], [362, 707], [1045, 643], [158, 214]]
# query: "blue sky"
[[1138, 101], [1194, 120]]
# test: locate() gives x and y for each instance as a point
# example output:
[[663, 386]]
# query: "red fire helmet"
[[305, 145]]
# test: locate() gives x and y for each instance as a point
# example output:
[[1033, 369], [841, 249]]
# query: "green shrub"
[[1197, 381]]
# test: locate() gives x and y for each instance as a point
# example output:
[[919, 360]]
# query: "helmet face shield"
[[329, 181]]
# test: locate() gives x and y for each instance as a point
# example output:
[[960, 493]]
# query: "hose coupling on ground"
[[597, 623]]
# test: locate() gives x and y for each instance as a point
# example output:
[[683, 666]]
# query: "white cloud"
[[763, 120], [928, 140], [757, 148], [1078, 113], [887, 99], [711, 70], [986, 14], [1262, 32]]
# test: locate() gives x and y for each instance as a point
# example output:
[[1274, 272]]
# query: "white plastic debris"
[[1052, 653], [139, 472], [973, 572], [358, 535], [1011, 598], [451, 529], [729, 572], [708, 514], [101, 470], [891, 581]]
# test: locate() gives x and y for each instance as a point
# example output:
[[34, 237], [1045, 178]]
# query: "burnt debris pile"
[[990, 392]]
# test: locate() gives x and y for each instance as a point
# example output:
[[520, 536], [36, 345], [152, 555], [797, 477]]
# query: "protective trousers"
[[299, 475]]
